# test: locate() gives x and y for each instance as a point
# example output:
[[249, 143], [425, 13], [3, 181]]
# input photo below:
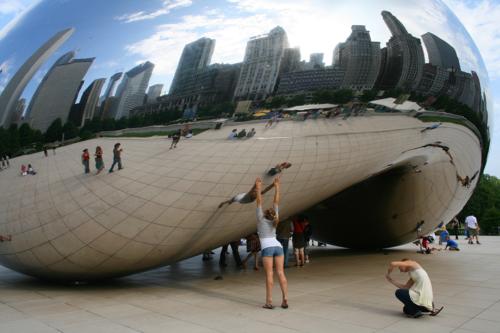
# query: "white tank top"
[[421, 290]]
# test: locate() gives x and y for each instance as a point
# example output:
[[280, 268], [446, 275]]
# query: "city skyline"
[[164, 36]]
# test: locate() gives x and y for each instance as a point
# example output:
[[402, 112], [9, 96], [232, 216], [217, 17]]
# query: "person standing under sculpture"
[[272, 251], [298, 240], [236, 254], [86, 160], [416, 294], [473, 228], [253, 249], [117, 157], [99, 162], [283, 233]]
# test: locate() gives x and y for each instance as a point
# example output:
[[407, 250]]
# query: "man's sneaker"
[[477, 242]]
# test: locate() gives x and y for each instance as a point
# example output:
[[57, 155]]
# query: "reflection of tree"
[[485, 204]]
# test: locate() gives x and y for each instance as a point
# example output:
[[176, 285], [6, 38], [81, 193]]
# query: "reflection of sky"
[[122, 34]]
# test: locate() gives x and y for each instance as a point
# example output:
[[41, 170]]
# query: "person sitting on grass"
[[416, 294]]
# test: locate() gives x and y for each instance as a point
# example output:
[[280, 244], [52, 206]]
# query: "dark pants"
[[86, 166], [115, 162], [409, 307], [284, 243], [236, 254], [455, 231]]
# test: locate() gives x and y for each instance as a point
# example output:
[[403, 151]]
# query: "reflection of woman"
[[272, 251], [416, 294], [99, 163]]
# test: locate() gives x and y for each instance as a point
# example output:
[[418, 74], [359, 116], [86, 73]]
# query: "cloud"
[[17, 8], [166, 8], [5, 73], [481, 18], [8, 7]]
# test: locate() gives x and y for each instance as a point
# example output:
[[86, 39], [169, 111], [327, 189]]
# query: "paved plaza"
[[339, 291]]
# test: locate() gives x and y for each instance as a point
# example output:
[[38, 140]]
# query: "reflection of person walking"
[[53, 150], [236, 254], [416, 294], [117, 157], [99, 162], [86, 160], [175, 139], [45, 152]]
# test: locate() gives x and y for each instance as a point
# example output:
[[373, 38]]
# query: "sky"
[[157, 30]]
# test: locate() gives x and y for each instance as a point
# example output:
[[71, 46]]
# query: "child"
[[450, 243], [253, 248]]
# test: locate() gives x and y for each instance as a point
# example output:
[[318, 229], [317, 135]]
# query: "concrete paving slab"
[[340, 290]]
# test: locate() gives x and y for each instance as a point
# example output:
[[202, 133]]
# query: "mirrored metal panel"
[[380, 108]]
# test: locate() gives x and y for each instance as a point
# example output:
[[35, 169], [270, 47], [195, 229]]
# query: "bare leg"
[[268, 268], [296, 253], [301, 256], [282, 280], [227, 202], [256, 260]]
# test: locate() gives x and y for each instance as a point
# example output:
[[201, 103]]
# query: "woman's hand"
[[258, 184]]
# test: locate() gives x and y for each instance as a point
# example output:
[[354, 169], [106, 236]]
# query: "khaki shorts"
[[473, 232]]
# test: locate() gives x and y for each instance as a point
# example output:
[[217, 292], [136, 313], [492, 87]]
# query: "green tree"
[[55, 131], [26, 135], [70, 130]]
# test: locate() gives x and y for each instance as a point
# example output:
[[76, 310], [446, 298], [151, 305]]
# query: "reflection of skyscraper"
[[359, 58], [440, 52], [154, 92], [57, 92], [131, 91], [261, 65], [316, 61], [90, 99], [404, 64], [10, 95], [195, 57], [290, 62], [106, 102]]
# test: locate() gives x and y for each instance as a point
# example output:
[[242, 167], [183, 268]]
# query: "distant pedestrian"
[[298, 240], [236, 254], [307, 238], [473, 227], [283, 234], [175, 139], [428, 128], [6, 157], [272, 251], [117, 157], [5, 238], [99, 162], [53, 150], [3, 165], [45, 152], [24, 170], [86, 160], [416, 294], [31, 171], [455, 226], [242, 134]]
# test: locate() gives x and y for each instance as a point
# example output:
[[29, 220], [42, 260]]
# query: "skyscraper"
[[316, 60], [105, 100], [90, 99], [195, 57], [359, 58], [440, 53], [290, 62], [404, 60], [154, 92], [58, 91], [261, 65], [131, 91], [10, 95]]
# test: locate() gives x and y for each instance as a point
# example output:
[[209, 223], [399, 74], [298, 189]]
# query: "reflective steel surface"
[[383, 110]]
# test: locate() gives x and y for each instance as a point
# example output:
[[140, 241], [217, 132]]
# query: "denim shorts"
[[273, 251]]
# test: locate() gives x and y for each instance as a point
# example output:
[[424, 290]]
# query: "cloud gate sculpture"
[[380, 107]]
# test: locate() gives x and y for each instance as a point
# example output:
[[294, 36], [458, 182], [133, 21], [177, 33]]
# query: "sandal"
[[435, 312], [284, 304], [268, 306]]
